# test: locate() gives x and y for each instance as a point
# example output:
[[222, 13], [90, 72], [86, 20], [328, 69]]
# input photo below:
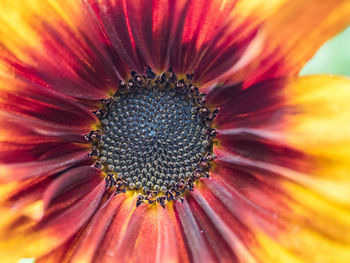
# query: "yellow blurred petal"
[[319, 125], [272, 251], [311, 116], [316, 230], [258, 8], [35, 210], [316, 122], [323, 115], [319, 231], [294, 32], [23, 22]]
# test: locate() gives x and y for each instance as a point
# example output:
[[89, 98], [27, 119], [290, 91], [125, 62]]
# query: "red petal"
[[34, 126], [116, 231], [184, 254], [250, 143], [143, 234], [240, 199], [149, 24], [153, 237], [71, 186], [65, 224], [25, 152], [252, 107], [188, 36], [97, 229], [221, 94], [193, 235], [25, 192], [35, 105], [64, 252], [228, 236], [115, 23], [258, 200], [54, 164], [275, 203]]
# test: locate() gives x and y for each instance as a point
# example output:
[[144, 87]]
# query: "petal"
[[213, 39], [59, 223], [251, 144], [301, 115], [229, 239], [40, 108], [97, 229], [183, 247], [151, 232], [206, 37], [294, 33], [249, 108], [121, 232], [83, 242], [58, 47], [36, 137], [64, 252], [193, 234], [278, 210], [117, 230], [188, 24], [235, 189], [114, 23], [19, 195], [71, 186], [283, 152], [59, 160]]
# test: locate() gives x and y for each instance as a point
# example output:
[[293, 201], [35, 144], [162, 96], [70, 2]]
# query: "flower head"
[[172, 131]]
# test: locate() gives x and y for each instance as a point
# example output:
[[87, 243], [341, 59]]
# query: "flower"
[[278, 190]]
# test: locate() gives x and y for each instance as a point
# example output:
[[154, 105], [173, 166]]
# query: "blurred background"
[[332, 58]]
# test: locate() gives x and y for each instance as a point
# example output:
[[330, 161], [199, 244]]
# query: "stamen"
[[156, 137]]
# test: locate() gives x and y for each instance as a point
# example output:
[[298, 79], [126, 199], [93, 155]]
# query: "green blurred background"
[[332, 58]]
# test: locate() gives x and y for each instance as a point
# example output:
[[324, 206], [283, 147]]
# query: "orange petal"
[[294, 33], [149, 237], [192, 234], [116, 230]]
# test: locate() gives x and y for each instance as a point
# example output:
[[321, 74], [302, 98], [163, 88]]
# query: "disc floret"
[[156, 137]]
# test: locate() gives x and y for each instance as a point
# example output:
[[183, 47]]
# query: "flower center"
[[156, 136]]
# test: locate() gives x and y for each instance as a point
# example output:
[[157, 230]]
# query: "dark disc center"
[[153, 139]]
